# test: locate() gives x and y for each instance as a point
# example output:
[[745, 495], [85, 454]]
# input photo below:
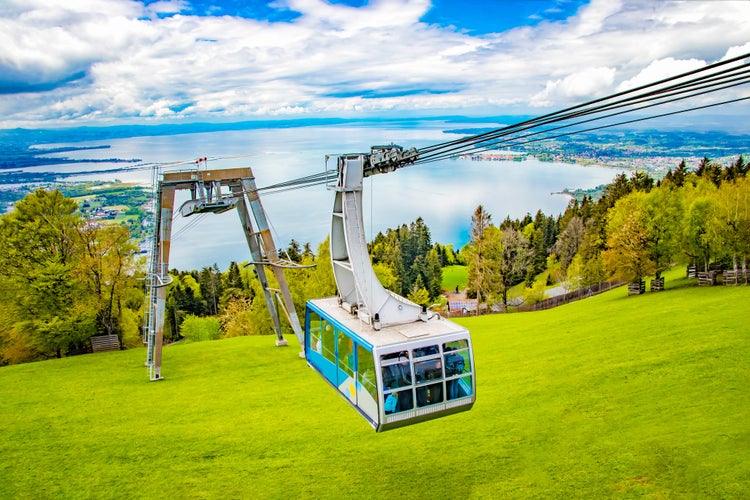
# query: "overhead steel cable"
[[635, 120], [715, 80], [680, 87], [493, 144], [313, 179], [566, 111], [691, 84], [482, 145], [513, 141], [470, 142]]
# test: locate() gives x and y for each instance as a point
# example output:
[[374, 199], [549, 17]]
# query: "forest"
[[68, 278]]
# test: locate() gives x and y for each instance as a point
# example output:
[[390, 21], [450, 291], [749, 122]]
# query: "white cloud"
[[120, 60], [590, 82], [659, 70]]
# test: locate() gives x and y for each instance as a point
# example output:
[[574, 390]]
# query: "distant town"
[[655, 152]]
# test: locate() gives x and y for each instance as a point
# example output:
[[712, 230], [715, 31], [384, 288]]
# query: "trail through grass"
[[606, 397]]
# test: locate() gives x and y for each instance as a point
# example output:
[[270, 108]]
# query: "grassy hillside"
[[610, 396], [455, 276]]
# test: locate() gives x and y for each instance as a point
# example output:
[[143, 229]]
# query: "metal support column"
[[257, 257]]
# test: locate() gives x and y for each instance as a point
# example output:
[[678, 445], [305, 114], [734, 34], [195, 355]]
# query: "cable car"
[[397, 376], [391, 359]]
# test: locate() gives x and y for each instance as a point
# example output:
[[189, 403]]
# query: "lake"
[[444, 193]]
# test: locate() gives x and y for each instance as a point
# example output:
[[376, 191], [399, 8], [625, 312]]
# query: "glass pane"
[[366, 371], [328, 341], [314, 328], [398, 401], [458, 388], [455, 345], [401, 355], [346, 354], [430, 394], [396, 375], [430, 369], [457, 362], [425, 351]]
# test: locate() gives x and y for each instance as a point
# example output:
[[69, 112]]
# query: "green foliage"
[[65, 279], [535, 293], [498, 260], [729, 229], [386, 276], [235, 320], [627, 256], [609, 397], [409, 253], [418, 294], [576, 273], [197, 329]]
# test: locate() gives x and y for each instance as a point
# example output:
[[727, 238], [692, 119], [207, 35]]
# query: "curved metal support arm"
[[359, 288]]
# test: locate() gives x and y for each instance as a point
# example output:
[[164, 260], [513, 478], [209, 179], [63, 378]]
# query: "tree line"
[[66, 279], [639, 227], [212, 304]]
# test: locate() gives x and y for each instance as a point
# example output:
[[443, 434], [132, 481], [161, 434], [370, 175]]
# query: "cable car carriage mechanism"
[[394, 361]]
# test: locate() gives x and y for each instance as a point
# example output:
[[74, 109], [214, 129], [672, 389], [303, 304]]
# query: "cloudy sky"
[[76, 62]]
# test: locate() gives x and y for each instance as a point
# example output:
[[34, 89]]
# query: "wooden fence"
[[582, 293]]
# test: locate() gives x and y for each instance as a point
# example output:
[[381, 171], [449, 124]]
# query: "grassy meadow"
[[455, 276], [612, 396]]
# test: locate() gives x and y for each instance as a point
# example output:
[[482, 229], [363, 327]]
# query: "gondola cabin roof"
[[388, 335]]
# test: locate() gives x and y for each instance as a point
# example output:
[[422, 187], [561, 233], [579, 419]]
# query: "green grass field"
[[612, 396], [455, 276]]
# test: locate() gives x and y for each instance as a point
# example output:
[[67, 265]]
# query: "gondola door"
[[346, 363]]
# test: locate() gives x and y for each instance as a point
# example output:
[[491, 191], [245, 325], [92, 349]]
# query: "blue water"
[[444, 193]]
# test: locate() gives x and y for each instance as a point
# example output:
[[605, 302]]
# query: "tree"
[[709, 170], [663, 213], [233, 277], [418, 294], [619, 188], [729, 227], [698, 208], [38, 261], [235, 320], [566, 246], [679, 175], [386, 276], [294, 252], [627, 256], [197, 329], [433, 274], [211, 288], [641, 181], [106, 267], [514, 260], [576, 273], [476, 255]]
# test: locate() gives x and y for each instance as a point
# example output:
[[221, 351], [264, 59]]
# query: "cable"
[[469, 142], [557, 114], [691, 84], [688, 85], [512, 141]]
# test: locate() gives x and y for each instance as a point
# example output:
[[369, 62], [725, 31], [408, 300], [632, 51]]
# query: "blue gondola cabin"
[[397, 376]]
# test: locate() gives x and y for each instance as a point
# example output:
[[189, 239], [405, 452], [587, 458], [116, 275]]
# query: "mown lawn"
[[455, 276], [612, 396]]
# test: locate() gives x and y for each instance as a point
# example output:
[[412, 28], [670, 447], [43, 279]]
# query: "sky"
[[105, 62]]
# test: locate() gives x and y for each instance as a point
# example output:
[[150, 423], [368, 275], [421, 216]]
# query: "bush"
[[197, 329]]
